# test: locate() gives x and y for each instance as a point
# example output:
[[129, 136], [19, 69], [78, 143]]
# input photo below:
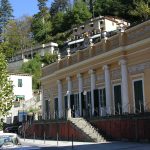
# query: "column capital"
[[79, 75], [58, 81], [122, 62], [105, 67], [68, 78], [91, 71]]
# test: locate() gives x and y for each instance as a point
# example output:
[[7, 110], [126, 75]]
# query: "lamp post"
[[84, 93], [68, 104]]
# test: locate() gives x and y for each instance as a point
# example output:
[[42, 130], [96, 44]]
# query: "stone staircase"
[[87, 129]]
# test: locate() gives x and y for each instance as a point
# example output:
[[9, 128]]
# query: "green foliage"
[[59, 6], [33, 67], [6, 49], [41, 25], [108, 7], [18, 33], [6, 88], [80, 13], [49, 58], [142, 10], [58, 22], [5, 14]]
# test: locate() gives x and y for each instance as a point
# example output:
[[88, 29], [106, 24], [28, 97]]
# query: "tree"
[[59, 6], [49, 58], [5, 14], [142, 10], [6, 88], [80, 12], [18, 33], [41, 25], [108, 7], [58, 22], [33, 67], [6, 49]]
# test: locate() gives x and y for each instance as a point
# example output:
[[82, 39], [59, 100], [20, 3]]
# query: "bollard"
[[34, 137], [57, 139], [44, 137], [24, 135], [72, 141]]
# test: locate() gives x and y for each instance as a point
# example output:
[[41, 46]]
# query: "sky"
[[25, 7]]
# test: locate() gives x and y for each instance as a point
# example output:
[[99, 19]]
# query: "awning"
[[20, 96], [76, 41]]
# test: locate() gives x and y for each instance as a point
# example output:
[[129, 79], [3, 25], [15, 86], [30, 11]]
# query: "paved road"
[[65, 145]]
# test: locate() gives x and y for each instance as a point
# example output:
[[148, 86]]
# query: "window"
[[117, 99], [19, 82], [101, 22], [138, 96], [91, 24], [102, 97]]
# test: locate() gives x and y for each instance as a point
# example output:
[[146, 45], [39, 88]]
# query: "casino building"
[[110, 77]]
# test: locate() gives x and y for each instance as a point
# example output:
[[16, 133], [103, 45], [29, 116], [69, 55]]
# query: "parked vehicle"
[[9, 140], [11, 129]]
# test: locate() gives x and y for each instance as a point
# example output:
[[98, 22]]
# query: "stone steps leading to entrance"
[[87, 129]]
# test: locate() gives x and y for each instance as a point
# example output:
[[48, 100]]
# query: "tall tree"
[[58, 22], [5, 14], [33, 67], [6, 88], [81, 12], [41, 24], [18, 33], [142, 10], [59, 6], [108, 7]]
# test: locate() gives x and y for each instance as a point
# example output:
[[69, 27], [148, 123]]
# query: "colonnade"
[[109, 99]]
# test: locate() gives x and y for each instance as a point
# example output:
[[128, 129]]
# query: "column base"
[[69, 114]]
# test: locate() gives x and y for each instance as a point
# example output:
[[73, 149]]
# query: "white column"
[[43, 103], [60, 113], [107, 88], [93, 83], [69, 90], [124, 86], [80, 86]]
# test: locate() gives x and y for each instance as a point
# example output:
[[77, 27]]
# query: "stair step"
[[88, 129]]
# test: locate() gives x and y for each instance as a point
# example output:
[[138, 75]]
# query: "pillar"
[[60, 113], [124, 86], [92, 76], [69, 90], [80, 86], [107, 88]]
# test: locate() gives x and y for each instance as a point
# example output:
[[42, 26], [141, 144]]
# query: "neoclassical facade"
[[111, 77]]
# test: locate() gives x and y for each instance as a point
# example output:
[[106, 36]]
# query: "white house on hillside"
[[22, 88]]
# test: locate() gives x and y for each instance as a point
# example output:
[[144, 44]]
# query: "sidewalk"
[[67, 145], [54, 143]]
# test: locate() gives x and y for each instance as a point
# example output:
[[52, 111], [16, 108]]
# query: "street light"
[[68, 104], [84, 93]]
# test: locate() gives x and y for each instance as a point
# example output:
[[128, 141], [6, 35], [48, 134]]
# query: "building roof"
[[20, 74]]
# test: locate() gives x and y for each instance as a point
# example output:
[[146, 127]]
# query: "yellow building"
[[111, 77]]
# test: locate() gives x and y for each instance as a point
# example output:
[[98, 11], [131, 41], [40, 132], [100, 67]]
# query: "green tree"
[[7, 49], [142, 10], [49, 58], [41, 25], [6, 87], [58, 22], [5, 14], [59, 6], [108, 7], [80, 13], [33, 67], [18, 33]]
